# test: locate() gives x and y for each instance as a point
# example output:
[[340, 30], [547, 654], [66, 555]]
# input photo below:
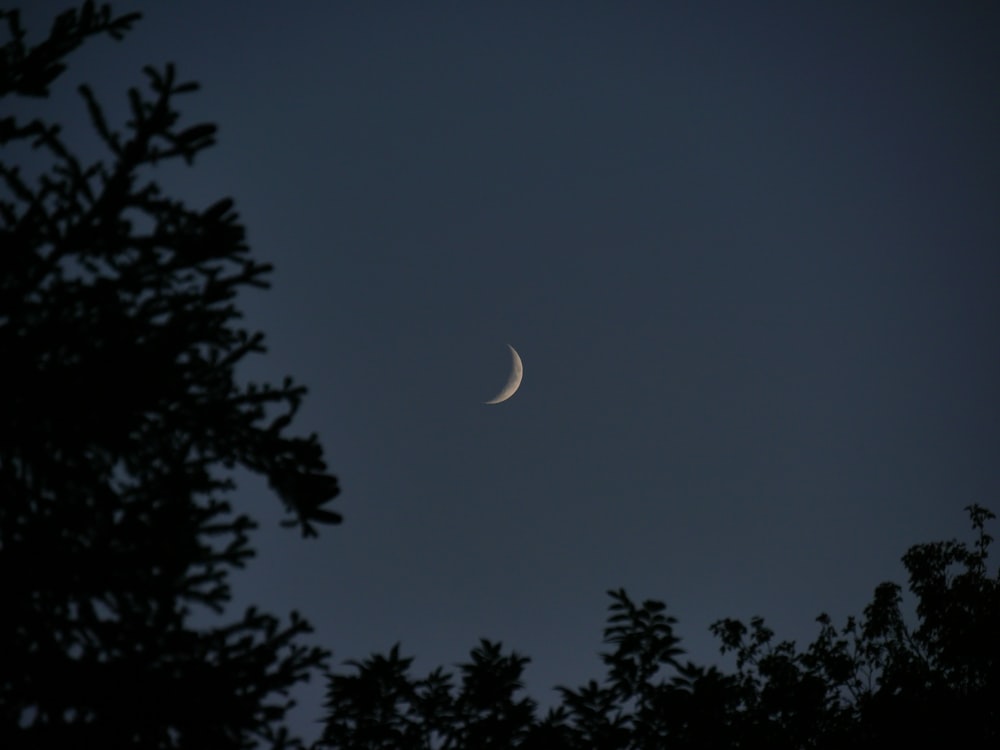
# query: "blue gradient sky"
[[748, 252]]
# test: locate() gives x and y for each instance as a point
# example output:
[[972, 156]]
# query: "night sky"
[[749, 254]]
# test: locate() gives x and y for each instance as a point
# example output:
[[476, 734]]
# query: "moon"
[[513, 382]]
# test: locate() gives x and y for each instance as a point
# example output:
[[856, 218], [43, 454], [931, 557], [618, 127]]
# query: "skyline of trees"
[[891, 677]]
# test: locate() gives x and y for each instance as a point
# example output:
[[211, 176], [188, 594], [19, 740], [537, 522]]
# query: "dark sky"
[[748, 252]]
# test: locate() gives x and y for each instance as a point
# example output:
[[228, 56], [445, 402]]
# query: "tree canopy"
[[123, 422], [889, 678]]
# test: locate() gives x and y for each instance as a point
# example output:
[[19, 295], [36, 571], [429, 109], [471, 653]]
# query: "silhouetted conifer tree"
[[120, 422]]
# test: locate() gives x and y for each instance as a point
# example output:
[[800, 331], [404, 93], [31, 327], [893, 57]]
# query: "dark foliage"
[[122, 421], [876, 682]]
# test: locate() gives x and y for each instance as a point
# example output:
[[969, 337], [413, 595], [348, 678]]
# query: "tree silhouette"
[[122, 422], [876, 682]]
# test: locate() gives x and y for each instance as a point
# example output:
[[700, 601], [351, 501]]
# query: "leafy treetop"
[[876, 682]]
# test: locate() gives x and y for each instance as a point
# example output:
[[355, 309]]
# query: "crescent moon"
[[513, 382]]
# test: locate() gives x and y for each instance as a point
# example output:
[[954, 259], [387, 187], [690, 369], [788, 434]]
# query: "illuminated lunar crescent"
[[513, 382]]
